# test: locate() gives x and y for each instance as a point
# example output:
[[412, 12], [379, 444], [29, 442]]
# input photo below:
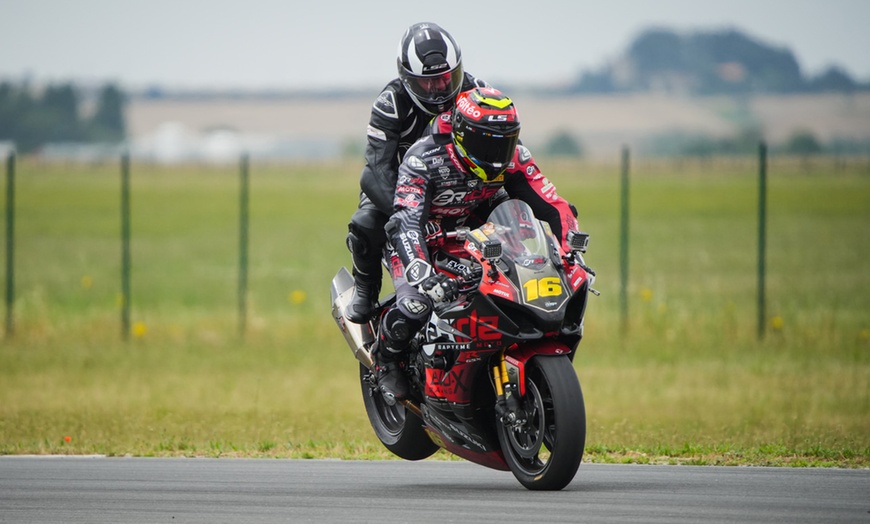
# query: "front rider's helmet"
[[430, 67], [486, 130]]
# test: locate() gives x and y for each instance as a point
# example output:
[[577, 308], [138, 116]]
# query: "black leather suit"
[[396, 122]]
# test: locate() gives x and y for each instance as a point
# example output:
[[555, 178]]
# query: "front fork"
[[507, 377]]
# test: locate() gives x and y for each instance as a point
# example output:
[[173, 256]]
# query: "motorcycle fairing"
[[517, 357], [491, 458]]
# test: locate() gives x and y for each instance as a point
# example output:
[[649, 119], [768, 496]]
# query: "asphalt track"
[[177, 490]]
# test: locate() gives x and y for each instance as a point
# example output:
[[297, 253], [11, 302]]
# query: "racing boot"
[[391, 379], [366, 289], [393, 340]]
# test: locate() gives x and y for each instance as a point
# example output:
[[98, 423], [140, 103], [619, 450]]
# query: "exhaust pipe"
[[359, 337]]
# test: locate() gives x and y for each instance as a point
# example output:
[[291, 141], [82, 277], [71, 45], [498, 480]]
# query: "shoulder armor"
[[386, 105]]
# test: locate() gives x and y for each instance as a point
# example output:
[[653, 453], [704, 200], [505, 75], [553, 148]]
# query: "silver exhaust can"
[[359, 337]]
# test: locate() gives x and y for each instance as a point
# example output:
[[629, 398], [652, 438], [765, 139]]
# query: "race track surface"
[[179, 490]]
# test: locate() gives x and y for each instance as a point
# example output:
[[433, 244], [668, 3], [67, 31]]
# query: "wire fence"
[[235, 259]]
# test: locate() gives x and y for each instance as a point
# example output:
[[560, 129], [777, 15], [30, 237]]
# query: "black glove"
[[440, 288]]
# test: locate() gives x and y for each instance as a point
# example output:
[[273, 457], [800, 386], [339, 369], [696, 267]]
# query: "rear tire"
[[545, 453], [398, 429]]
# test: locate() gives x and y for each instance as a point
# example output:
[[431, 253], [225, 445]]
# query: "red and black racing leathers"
[[434, 185]]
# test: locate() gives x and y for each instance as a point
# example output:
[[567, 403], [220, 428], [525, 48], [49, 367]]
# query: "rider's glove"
[[440, 288]]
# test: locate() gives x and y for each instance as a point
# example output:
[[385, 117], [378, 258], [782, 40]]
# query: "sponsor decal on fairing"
[[479, 327], [457, 267]]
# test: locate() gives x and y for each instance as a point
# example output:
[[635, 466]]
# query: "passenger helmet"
[[486, 130], [430, 67]]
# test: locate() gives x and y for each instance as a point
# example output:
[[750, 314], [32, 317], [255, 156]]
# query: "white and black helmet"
[[430, 66]]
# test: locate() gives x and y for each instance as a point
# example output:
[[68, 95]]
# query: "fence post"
[[125, 245], [243, 244], [10, 242], [623, 244], [762, 233]]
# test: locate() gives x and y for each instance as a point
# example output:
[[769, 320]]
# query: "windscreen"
[[521, 235]]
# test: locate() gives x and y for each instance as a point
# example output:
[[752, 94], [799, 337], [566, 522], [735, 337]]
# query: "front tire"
[[398, 429], [546, 451]]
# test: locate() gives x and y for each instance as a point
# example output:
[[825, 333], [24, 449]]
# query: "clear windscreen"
[[522, 238]]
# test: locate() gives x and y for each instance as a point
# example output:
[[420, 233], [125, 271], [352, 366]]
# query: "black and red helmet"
[[430, 66], [486, 130]]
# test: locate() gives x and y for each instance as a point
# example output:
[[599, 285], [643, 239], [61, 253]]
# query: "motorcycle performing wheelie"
[[491, 374]]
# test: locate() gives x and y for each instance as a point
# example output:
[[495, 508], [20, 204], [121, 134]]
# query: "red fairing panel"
[[520, 355], [576, 276]]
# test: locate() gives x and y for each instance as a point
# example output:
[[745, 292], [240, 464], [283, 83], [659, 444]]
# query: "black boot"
[[391, 378], [366, 289]]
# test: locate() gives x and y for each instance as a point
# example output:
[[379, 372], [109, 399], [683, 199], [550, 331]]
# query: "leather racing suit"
[[396, 122]]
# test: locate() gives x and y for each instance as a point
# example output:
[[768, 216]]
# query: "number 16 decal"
[[543, 287]]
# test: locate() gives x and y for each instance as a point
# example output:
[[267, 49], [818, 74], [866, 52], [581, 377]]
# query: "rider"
[[471, 160], [430, 77]]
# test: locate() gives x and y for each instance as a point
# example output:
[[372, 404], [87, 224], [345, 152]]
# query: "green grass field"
[[688, 382]]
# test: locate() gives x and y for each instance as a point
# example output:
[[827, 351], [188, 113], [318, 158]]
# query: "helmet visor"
[[435, 89], [488, 150]]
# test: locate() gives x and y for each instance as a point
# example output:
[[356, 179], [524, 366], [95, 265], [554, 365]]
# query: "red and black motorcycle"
[[491, 374]]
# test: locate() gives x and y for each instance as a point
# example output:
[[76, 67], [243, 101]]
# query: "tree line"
[[709, 63], [31, 118]]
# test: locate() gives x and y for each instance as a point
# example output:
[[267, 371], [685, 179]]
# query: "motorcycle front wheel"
[[398, 429], [545, 452]]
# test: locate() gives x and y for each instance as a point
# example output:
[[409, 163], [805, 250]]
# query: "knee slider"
[[356, 243], [365, 233]]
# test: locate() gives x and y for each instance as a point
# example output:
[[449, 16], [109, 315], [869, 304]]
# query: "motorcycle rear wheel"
[[398, 429], [545, 453]]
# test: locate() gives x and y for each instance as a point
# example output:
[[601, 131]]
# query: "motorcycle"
[[491, 374]]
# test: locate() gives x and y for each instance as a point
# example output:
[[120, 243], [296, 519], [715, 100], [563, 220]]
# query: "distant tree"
[[803, 143], [21, 118], [704, 62], [834, 79], [31, 119], [658, 50], [7, 111], [107, 124], [849, 146], [699, 145], [60, 108], [589, 82], [767, 68], [563, 144]]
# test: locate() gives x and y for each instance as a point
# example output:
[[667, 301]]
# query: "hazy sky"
[[352, 43]]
